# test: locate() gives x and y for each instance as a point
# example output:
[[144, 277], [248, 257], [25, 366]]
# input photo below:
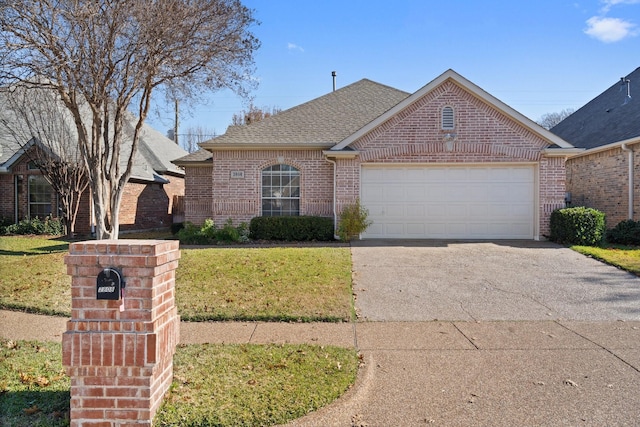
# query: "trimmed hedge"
[[577, 226], [625, 233], [291, 228]]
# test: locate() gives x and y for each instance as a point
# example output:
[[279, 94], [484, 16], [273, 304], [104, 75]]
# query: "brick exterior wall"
[[240, 198], [148, 206], [197, 194], [121, 362], [7, 196], [144, 205], [600, 181], [482, 135], [8, 191]]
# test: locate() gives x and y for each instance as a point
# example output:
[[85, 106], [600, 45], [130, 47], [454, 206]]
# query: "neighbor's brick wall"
[[600, 181], [121, 363], [7, 191], [144, 206], [147, 206], [7, 196]]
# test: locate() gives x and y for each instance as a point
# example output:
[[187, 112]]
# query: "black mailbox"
[[109, 284]]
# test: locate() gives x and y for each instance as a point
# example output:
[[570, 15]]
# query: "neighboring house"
[[148, 197], [608, 128], [448, 161]]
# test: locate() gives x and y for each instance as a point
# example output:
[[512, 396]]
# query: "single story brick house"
[[147, 202], [448, 161], [605, 175]]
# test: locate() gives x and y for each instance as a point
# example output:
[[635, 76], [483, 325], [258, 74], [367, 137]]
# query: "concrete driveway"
[[472, 281]]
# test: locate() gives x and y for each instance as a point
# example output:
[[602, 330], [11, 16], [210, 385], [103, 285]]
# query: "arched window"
[[448, 121], [280, 191]]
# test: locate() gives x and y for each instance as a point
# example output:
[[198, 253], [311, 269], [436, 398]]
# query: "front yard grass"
[[266, 284], [221, 385], [282, 283], [624, 257]]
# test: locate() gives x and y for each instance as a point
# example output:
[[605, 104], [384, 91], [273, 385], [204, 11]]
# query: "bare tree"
[[194, 136], [39, 124], [549, 120], [105, 58], [253, 115]]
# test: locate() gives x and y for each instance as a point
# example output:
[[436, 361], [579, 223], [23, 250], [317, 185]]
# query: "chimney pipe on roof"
[[333, 74], [626, 82]]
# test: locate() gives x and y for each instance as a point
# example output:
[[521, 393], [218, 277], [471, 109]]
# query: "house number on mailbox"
[[109, 284]]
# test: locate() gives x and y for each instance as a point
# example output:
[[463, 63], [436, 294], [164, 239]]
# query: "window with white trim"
[[280, 191], [39, 197], [448, 121]]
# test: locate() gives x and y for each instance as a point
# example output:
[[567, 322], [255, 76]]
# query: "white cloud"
[[609, 30], [293, 46], [609, 3]]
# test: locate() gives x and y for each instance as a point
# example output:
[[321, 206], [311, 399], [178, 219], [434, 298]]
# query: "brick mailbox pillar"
[[119, 352]]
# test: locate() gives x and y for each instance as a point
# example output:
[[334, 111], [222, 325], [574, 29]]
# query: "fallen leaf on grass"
[[33, 410], [42, 381]]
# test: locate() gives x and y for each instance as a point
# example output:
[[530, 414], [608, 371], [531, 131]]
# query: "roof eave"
[[561, 152], [264, 147], [195, 163], [341, 154], [630, 141]]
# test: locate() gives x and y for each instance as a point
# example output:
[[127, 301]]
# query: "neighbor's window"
[[39, 196], [280, 191], [447, 118]]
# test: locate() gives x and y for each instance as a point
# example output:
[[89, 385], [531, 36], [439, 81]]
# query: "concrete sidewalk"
[[500, 373]]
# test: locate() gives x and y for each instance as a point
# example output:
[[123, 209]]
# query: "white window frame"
[[280, 192], [41, 197]]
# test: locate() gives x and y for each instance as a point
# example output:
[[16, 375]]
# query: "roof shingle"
[[610, 117], [326, 120]]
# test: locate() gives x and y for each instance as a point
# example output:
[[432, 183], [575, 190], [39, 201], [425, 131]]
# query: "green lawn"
[[222, 385], [624, 257], [271, 284], [214, 385]]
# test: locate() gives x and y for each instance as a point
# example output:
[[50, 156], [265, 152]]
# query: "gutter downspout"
[[335, 214], [629, 152]]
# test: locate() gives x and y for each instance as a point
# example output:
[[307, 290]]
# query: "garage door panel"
[[415, 193], [413, 211], [416, 229], [435, 211], [395, 211], [372, 192], [455, 201], [394, 228]]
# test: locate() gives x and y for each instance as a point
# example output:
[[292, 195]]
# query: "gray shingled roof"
[[200, 156], [605, 119], [325, 120], [154, 156]]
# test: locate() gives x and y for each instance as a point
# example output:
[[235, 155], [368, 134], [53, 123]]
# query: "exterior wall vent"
[[448, 121]]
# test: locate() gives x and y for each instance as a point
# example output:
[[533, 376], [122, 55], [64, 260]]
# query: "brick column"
[[121, 362]]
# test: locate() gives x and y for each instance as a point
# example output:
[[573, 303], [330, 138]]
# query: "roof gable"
[[322, 122], [452, 76], [608, 118]]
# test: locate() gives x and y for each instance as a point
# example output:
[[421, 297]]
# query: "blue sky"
[[536, 56]]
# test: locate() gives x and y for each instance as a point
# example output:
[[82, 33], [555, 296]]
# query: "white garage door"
[[449, 202]]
